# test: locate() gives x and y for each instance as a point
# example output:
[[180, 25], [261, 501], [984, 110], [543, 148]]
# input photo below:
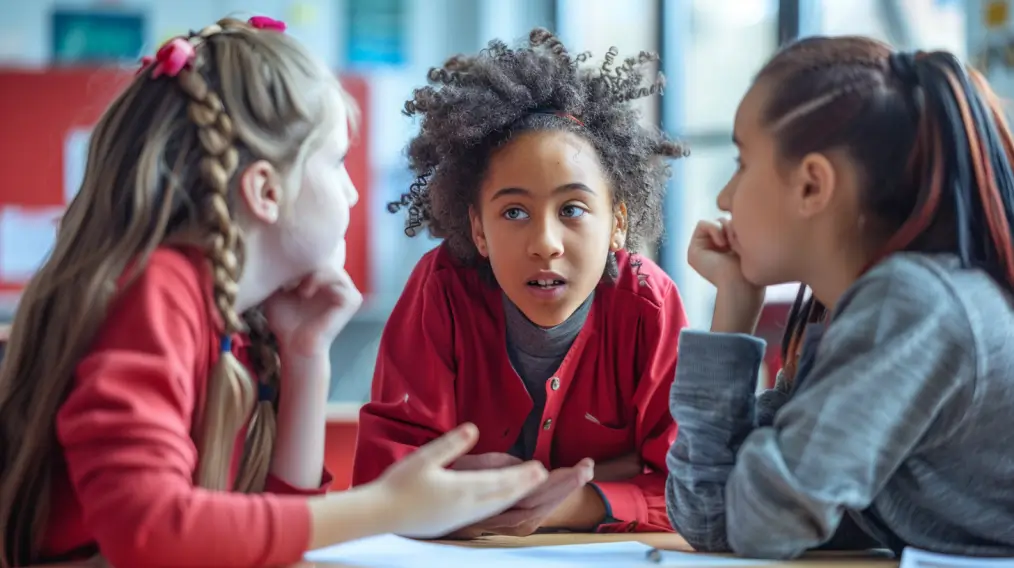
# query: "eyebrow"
[[510, 191]]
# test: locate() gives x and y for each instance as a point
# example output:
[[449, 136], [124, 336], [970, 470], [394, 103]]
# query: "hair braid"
[[160, 161], [230, 392], [260, 441]]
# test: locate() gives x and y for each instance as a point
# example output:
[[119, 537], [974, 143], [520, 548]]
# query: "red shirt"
[[443, 361], [126, 483]]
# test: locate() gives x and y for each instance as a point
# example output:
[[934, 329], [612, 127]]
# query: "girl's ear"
[[816, 184], [618, 238], [260, 190], [478, 235]]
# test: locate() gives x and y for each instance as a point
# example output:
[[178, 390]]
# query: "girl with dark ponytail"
[[883, 182]]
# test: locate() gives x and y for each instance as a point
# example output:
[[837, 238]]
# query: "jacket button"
[[554, 383], [547, 424]]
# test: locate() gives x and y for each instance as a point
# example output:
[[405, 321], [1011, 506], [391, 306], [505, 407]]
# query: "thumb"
[[448, 447], [585, 469]]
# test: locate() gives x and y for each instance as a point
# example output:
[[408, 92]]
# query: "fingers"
[[448, 447], [712, 235], [491, 460], [705, 228], [337, 282], [497, 460], [553, 491], [727, 234], [512, 522], [561, 483], [506, 485], [716, 232]]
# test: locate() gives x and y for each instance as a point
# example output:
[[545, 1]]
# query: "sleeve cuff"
[[714, 394], [624, 502], [279, 487], [711, 357], [609, 518]]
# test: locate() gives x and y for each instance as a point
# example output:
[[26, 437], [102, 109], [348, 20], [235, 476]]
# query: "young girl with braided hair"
[[883, 182], [162, 398], [532, 318]]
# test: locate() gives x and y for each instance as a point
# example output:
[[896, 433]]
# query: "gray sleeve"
[[897, 351], [712, 401]]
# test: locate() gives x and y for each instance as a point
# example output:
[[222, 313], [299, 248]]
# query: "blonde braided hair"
[[161, 164], [230, 391]]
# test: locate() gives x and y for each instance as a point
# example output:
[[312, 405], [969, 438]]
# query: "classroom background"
[[61, 62]]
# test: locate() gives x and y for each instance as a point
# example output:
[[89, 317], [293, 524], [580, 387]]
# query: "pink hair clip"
[[172, 58], [266, 23], [145, 62]]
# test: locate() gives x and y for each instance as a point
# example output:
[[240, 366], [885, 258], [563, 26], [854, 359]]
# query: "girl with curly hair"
[[532, 319]]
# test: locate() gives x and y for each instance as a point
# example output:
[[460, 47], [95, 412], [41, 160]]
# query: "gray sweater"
[[899, 424]]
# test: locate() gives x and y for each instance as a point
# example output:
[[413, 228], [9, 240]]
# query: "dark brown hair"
[[475, 104], [161, 165], [929, 138]]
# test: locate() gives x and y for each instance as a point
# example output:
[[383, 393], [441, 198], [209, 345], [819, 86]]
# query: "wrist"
[[384, 514], [581, 510], [352, 514], [737, 309], [305, 372]]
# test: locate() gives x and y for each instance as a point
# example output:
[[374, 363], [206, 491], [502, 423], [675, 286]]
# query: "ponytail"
[[953, 188]]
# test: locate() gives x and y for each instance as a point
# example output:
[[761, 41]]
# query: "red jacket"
[[126, 482], [443, 361]]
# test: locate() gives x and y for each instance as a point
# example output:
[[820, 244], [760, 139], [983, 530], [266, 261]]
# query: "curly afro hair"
[[474, 104]]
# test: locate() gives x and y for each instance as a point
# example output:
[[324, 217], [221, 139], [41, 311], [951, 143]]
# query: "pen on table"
[[654, 555]]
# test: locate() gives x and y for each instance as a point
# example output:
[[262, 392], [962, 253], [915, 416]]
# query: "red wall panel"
[[39, 109]]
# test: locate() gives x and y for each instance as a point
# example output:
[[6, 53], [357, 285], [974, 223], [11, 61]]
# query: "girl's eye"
[[515, 214], [739, 163], [572, 211]]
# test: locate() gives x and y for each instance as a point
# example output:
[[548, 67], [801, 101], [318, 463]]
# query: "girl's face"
[[314, 229], [296, 232], [545, 219], [771, 204]]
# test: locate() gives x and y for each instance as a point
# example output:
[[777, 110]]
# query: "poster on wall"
[[96, 36], [377, 33]]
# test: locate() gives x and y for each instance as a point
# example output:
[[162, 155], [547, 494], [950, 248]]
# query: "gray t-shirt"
[[899, 420]]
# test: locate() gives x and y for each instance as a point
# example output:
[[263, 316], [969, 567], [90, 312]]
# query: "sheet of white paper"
[[27, 236], [390, 551], [915, 558]]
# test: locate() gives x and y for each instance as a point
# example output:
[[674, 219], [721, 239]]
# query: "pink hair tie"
[[266, 23], [173, 57]]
